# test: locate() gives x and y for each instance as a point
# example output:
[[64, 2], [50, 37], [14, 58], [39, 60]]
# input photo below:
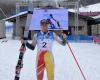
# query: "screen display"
[[57, 18]]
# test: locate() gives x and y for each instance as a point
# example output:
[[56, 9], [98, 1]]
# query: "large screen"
[[57, 18]]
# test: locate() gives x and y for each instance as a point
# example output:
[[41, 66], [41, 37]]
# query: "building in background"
[[83, 28], [2, 29]]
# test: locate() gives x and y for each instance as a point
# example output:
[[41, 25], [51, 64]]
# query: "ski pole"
[[76, 61]]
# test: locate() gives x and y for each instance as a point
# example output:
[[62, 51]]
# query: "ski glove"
[[63, 38], [30, 46]]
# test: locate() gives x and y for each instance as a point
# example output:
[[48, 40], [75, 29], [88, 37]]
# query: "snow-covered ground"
[[87, 54]]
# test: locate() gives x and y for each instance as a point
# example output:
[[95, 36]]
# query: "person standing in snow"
[[44, 41]]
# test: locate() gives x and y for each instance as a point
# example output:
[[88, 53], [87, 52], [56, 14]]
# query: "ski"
[[19, 65]]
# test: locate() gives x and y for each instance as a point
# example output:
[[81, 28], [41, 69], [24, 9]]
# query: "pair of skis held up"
[[19, 65]]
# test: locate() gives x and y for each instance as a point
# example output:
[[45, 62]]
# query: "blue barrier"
[[80, 38]]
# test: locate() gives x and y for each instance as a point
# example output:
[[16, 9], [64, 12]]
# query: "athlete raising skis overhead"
[[44, 40]]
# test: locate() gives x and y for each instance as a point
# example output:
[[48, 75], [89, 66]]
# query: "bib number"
[[44, 44]]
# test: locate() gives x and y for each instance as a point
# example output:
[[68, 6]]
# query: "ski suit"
[[45, 59]]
